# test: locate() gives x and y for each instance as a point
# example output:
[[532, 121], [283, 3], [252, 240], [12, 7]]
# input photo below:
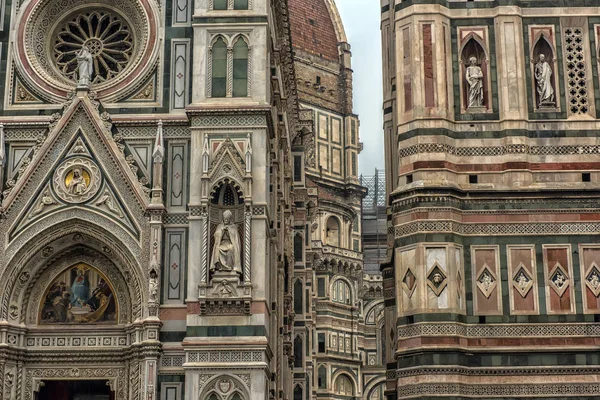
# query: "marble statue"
[[227, 246], [85, 63], [474, 78], [46, 200], [107, 200], [77, 185], [543, 77], [153, 287]]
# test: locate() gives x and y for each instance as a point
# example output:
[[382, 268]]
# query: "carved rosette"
[[77, 180]]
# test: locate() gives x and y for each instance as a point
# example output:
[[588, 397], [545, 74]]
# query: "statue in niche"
[[543, 77], [474, 78], [153, 287], [226, 255], [85, 63]]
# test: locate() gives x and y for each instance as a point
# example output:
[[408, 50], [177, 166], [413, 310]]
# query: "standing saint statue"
[[474, 77], [85, 63], [543, 77], [153, 287], [226, 251]]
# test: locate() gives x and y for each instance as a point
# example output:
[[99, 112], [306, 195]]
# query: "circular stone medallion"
[[77, 180]]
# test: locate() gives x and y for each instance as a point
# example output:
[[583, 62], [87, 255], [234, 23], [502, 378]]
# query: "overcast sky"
[[361, 20]]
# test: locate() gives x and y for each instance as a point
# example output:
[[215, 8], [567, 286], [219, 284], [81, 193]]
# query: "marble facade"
[[489, 287]]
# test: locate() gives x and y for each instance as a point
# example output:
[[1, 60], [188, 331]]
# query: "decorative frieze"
[[500, 330], [219, 356], [508, 229], [497, 390]]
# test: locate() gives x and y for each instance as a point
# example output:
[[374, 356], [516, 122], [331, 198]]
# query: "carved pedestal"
[[225, 295]]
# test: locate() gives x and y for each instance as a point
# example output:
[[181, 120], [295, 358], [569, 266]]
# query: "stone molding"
[[508, 229], [496, 390], [504, 330]]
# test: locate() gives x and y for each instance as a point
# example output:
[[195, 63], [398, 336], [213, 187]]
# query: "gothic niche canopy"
[[79, 295]]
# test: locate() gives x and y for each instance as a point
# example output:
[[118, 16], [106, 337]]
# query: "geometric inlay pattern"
[[487, 281], [409, 283], [522, 280]]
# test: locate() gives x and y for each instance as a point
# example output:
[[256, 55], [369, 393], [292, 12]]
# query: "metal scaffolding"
[[375, 185]]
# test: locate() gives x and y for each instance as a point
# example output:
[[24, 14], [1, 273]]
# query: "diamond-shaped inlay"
[[486, 281], [522, 280], [409, 283], [437, 279], [559, 279], [592, 279]]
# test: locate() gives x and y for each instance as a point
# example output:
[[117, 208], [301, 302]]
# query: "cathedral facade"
[[181, 210], [491, 144]]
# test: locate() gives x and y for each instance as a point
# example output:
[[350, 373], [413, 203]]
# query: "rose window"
[[107, 37]]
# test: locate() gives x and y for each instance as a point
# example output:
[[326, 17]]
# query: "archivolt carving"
[[37, 288], [21, 270]]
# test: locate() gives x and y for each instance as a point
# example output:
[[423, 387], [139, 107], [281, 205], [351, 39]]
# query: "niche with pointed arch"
[[543, 47], [473, 48], [79, 295]]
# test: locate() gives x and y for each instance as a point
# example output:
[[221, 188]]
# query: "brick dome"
[[313, 24]]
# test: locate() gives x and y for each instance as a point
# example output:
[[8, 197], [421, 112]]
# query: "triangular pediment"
[[80, 165], [227, 162]]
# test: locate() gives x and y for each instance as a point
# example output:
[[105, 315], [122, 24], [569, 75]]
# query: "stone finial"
[[248, 154], [159, 150]]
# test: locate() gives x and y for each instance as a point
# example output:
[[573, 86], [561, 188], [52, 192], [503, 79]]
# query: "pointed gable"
[[80, 165]]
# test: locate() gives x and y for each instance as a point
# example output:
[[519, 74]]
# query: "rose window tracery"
[[107, 37], [122, 39]]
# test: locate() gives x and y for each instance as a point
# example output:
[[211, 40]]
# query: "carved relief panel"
[[437, 277], [430, 278], [589, 261], [522, 279], [560, 282], [487, 285]]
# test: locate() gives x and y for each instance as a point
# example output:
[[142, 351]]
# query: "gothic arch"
[[42, 252], [473, 46], [542, 44], [224, 387]]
